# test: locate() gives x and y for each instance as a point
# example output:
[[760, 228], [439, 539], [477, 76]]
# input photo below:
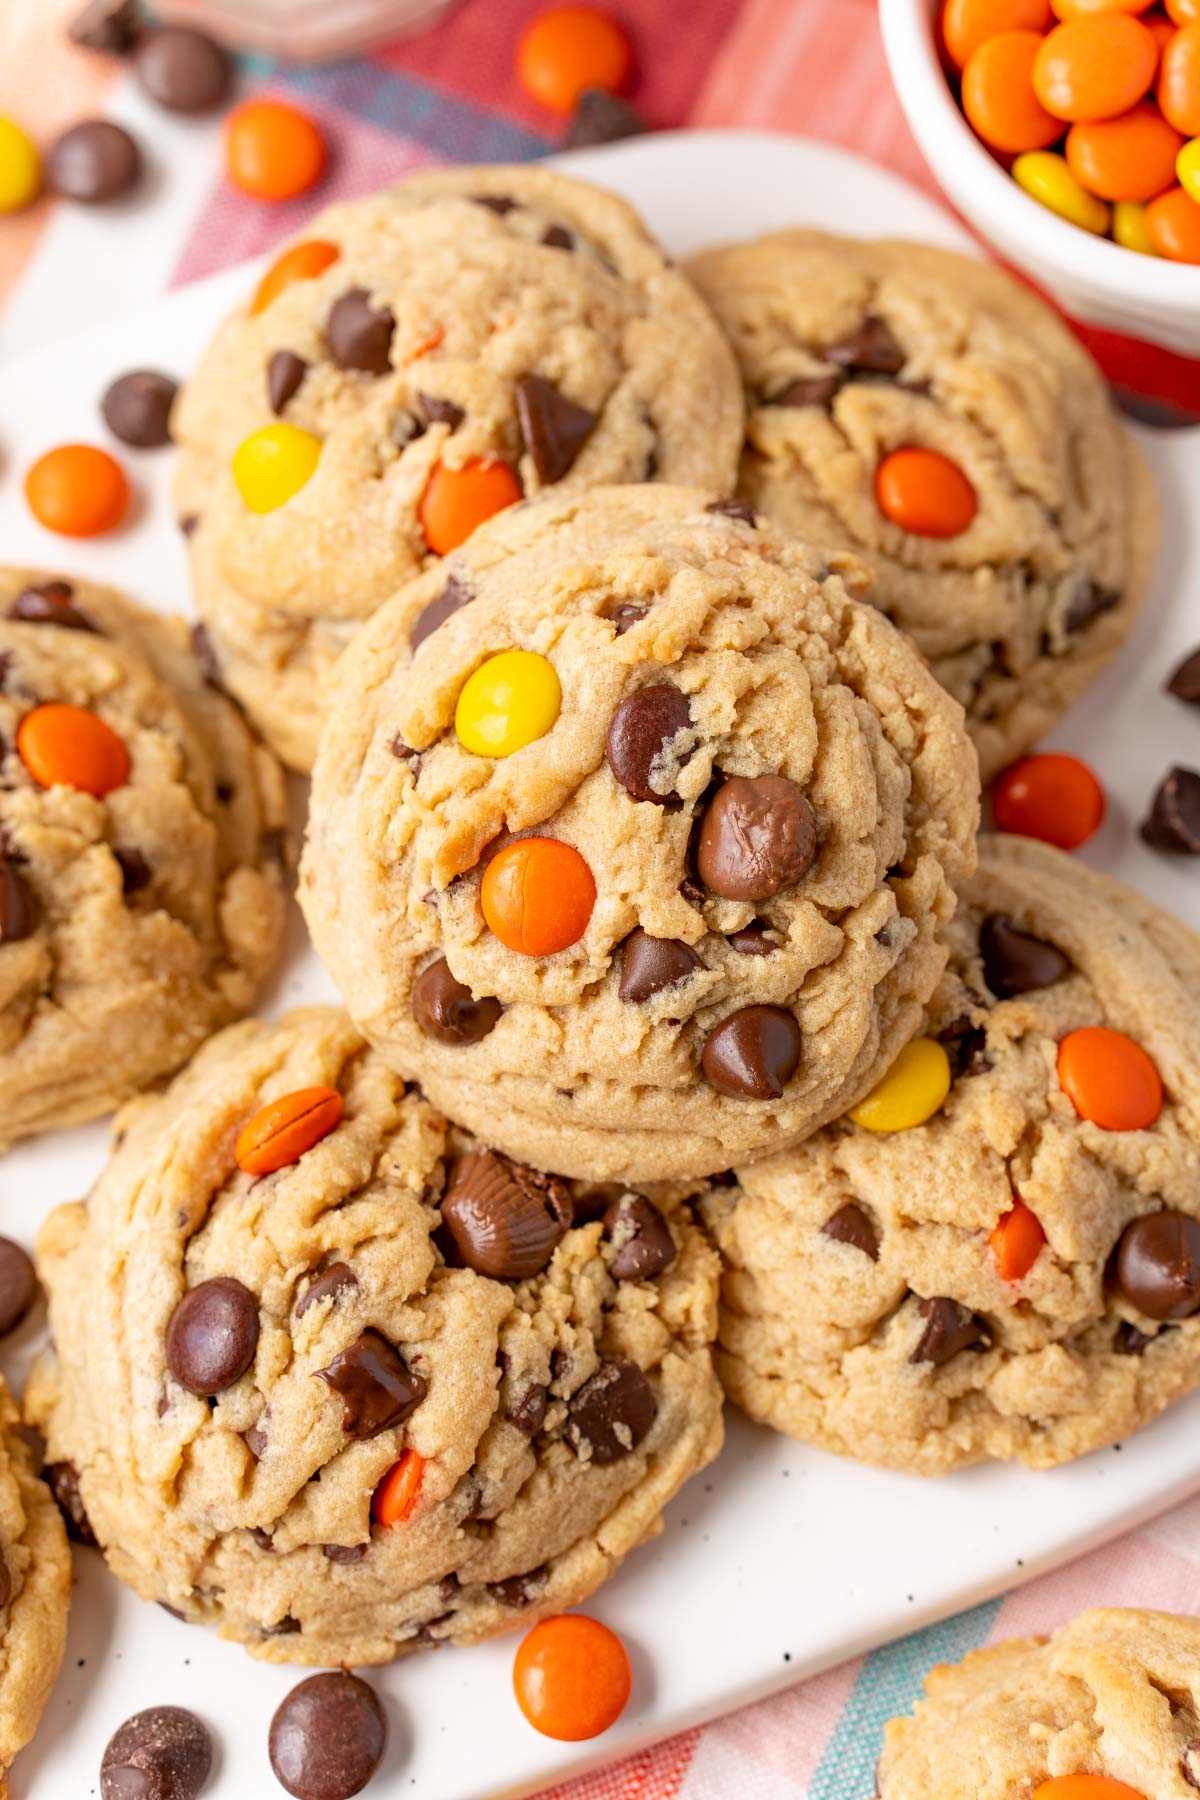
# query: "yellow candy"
[[20, 168], [1047, 179], [509, 701], [273, 464], [1187, 167], [1129, 227], [911, 1092]]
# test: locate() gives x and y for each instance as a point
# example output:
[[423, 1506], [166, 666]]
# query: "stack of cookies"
[[693, 1042]]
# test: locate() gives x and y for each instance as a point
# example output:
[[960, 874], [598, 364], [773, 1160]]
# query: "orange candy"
[[1130, 158], [280, 1133], [567, 49], [1173, 225], [572, 1677], [77, 490], [1109, 1079], [68, 746], [1160, 28], [1016, 1242], [1085, 1787], [1050, 796], [455, 501], [1179, 81], [1073, 9], [273, 151], [1183, 12], [998, 96], [537, 896], [1095, 66], [925, 493], [396, 1495], [303, 262], [968, 23]]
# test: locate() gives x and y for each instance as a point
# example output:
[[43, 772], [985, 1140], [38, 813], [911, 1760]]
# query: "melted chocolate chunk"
[[611, 1413], [377, 1388], [949, 1329], [504, 1220], [850, 1224]]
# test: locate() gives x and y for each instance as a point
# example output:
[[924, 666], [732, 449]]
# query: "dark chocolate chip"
[[440, 411], [949, 1328], [212, 1336], [638, 733], [62, 1478], [807, 390], [110, 26], [359, 337], [137, 408], [51, 603], [644, 1245], [164, 1753], [405, 428], [346, 1553], [1129, 1341], [851, 1225], [519, 1590], [500, 204], [752, 940], [447, 1011], [285, 372], [285, 1627], [377, 1387], [627, 615], [650, 964], [136, 872], [338, 1279], [188, 523], [1157, 1264], [753, 1054], [255, 1441], [553, 427], [557, 237], [327, 1737], [263, 1539], [18, 1285], [18, 904], [182, 70], [452, 596], [1014, 961], [1185, 681], [691, 891], [611, 1413], [870, 350], [1087, 602], [601, 118], [758, 835], [1173, 822], [530, 1410], [504, 1220], [403, 752], [733, 509], [93, 162]]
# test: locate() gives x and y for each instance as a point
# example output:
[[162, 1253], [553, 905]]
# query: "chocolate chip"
[[553, 427], [733, 509], [692, 892], [851, 1225], [1129, 1341], [1014, 961], [807, 390], [137, 408], [93, 162], [650, 964], [519, 1590], [601, 118], [377, 1387], [557, 237], [440, 411], [358, 337], [405, 428], [263, 1539], [1157, 1264], [50, 604], [1185, 681], [18, 1285], [758, 835], [611, 1413], [110, 26], [212, 1336], [164, 1753], [256, 1441], [183, 70], [18, 904], [62, 1478], [136, 872], [327, 1737], [500, 204], [1173, 822], [504, 1220], [1189, 1763], [638, 734], [949, 1328], [627, 615], [285, 372], [447, 1011], [285, 1627], [346, 1553], [752, 1055], [752, 940], [453, 595], [644, 1245], [1087, 602], [530, 1411], [188, 523], [338, 1279], [871, 349]]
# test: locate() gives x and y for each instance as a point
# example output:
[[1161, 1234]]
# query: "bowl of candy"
[[1067, 133]]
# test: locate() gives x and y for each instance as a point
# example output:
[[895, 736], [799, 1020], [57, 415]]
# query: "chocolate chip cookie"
[[633, 834], [1114, 1697], [881, 377], [142, 844], [346, 1382], [424, 357], [1018, 1277]]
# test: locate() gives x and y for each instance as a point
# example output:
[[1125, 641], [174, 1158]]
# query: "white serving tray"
[[779, 1561]]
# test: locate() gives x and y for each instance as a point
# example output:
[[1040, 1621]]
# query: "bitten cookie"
[[1113, 1697], [421, 359], [1019, 1275], [640, 864], [142, 843], [35, 1590], [1017, 553], [345, 1382]]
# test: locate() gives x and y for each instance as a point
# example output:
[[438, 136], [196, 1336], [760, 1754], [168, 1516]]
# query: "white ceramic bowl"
[[1093, 278]]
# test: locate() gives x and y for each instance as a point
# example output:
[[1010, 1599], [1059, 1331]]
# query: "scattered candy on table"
[[1051, 796], [273, 151], [572, 1678], [77, 490], [568, 49], [20, 167], [137, 408]]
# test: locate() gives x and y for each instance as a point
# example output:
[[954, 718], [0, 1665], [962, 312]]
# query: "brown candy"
[[601, 118], [870, 350], [377, 1387], [93, 162], [1185, 680], [212, 1336], [338, 1279], [358, 336], [644, 1245], [327, 1737], [649, 964], [949, 1329], [1157, 1264], [611, 1413], [18, 1285], [851, 1225], [758, 835], [447, 1011], [554, 428], [285, 372], [1014, 961], [137, 408], [504, 1220], [452, 596], [164, 1753], [1173, 823], [50, 604], [110, 26], [182, 70], [638, 732], [18, 904], [753, 1054]]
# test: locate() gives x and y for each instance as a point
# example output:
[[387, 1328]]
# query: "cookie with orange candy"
[[142, 851], [1105, 1708], [932, 414], [634, 831], [342, 1380], [997, 1254], [416, 361]]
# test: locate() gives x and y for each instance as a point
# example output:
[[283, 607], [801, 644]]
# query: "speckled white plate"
[[779, 1561]]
